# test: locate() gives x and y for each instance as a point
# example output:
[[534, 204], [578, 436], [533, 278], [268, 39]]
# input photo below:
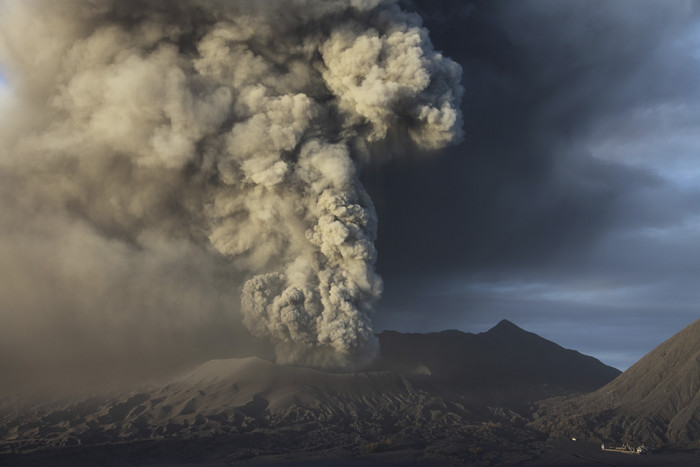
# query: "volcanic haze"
[[165, 164]]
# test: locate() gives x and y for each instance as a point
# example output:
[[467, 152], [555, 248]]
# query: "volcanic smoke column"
[[383, 81], [238, 124]]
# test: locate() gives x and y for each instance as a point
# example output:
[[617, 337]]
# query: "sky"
[[151, 192], [571, 208]]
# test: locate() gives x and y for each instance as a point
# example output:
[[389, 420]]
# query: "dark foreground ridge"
[[435, 399], [657, 400]]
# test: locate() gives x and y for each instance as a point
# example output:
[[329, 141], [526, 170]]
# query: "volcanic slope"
[[656, 401], [254, 407], [218, 397], [504, 360]]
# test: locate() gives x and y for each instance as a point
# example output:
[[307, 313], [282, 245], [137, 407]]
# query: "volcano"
[[431, 397]]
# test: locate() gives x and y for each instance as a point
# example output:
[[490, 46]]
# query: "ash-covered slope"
[[506, 358], [656, 401], [425, 389], [233, 410], [217, 398]]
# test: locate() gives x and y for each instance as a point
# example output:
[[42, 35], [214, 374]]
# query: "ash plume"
[[220, 136]]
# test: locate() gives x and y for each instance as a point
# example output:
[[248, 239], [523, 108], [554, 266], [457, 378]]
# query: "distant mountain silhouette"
[[656, 401], [505, 358]]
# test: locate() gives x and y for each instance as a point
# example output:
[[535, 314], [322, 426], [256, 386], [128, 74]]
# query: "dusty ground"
[[230, 451]]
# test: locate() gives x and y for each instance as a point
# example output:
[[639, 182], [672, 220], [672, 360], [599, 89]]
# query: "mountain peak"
[[506, 357], [504, 326]]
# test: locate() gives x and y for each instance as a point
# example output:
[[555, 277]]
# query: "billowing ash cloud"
[[234, 128]]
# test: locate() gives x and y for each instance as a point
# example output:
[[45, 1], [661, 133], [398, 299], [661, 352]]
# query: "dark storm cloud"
[[580, 165], [539, 77]]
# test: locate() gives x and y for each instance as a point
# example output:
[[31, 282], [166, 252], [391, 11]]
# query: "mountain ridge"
[[481, 393], [506, 357], [657, 400]]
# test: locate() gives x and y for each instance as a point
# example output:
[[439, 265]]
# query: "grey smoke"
[[186, 156]]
